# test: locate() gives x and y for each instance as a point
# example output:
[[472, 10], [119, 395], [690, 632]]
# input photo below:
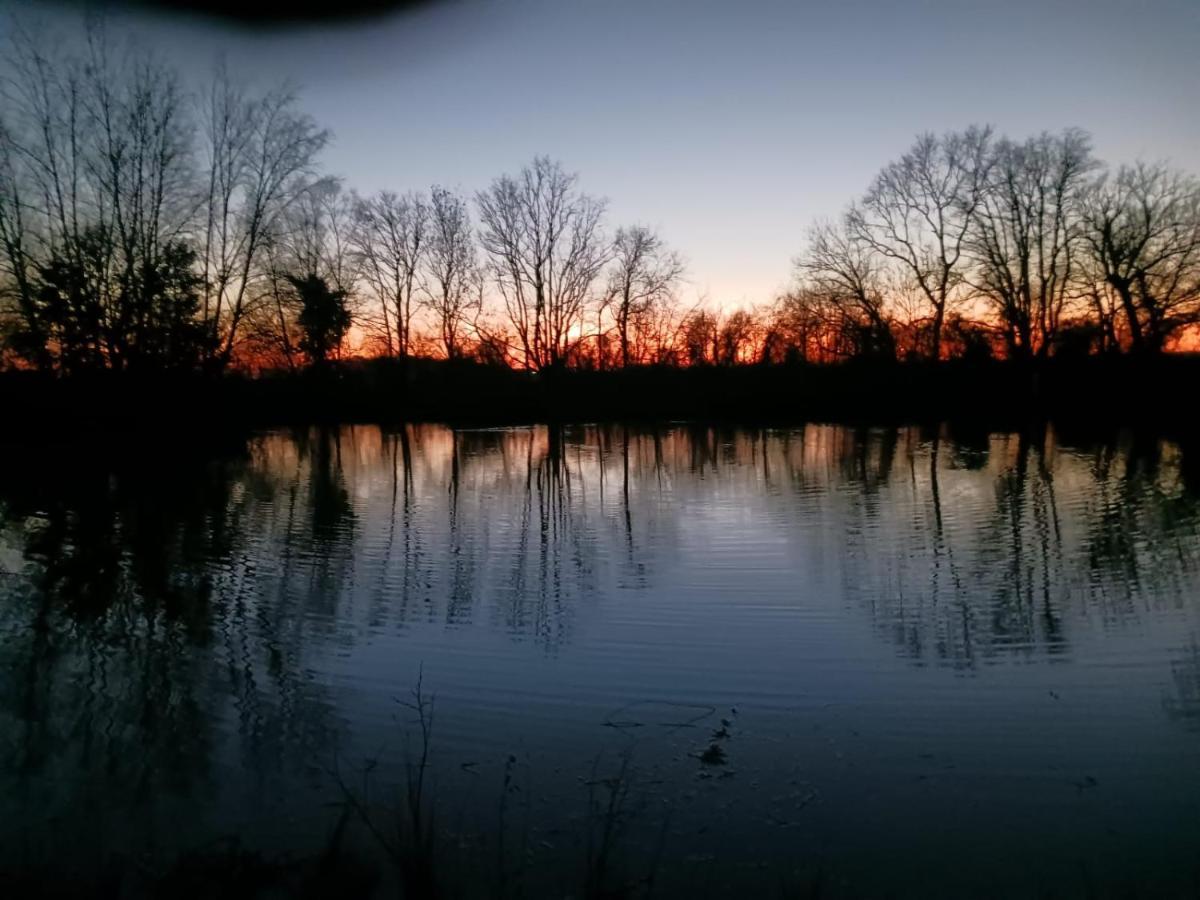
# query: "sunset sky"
[[729, 126]]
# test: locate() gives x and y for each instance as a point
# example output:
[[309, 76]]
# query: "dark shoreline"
[[1083, 395]]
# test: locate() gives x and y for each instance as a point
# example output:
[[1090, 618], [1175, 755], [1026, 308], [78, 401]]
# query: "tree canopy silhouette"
[[324, 318], [151, 224]]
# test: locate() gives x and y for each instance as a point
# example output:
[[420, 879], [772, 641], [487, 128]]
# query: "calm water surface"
[[932, 664]]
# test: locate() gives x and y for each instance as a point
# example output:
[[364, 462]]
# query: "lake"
[[809, 661]]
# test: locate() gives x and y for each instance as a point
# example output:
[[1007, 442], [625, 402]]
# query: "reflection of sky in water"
[[941, 664]]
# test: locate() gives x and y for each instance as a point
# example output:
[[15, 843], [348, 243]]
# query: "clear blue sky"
[[729, 126]]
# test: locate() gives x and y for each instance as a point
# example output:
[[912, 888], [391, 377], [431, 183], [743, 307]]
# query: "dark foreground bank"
[[1117, 391]]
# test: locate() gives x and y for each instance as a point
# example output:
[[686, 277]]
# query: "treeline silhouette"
[[149, 227]]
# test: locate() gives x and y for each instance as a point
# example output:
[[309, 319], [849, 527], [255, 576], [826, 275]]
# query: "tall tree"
[[260, 157], [95, 176], [644, 274], [804, 326], [842, 270], [544, 243], [1141, 228], [1025, 236], [454, 289], [324, 318], [311, 237], [736, 338], [23, 332], [141, 167], [700, 338], [918, 212], [390, 240]]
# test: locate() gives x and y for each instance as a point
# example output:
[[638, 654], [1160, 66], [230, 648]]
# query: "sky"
[[730, 127]]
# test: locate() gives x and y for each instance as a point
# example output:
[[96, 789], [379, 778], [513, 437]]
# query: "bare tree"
[[847, 275], [1104, 305], [1025, 236], [46, 150], [275, 334], [545, 248], [311, 238], [142, 171], [390, 239], [95, 202], [260, 158], [318, 230], [917, 214], [804, 326], [700, 338], [17, 289], [1141, 229], [656, 332], [454, 292], [137, 228], [737, 338], [644, 275]]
